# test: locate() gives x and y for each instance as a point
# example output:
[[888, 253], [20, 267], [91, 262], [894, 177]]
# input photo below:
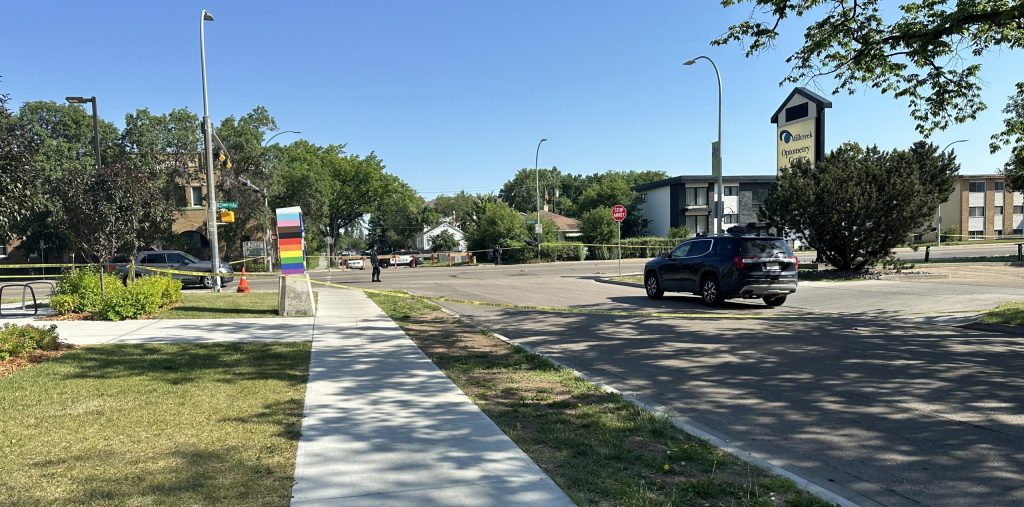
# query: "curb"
[[683, 424], [998, 328], [617, 282]]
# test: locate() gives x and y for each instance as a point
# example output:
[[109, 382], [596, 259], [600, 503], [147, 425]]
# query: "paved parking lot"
[[863, 387]]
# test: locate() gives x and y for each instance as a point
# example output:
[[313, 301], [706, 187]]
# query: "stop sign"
[[619, 213]]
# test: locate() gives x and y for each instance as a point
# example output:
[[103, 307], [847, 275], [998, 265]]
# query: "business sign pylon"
[[800, 128]]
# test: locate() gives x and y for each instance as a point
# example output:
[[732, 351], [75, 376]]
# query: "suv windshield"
[[768, 247]]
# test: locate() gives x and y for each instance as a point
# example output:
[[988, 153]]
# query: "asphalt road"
[[858, 386]]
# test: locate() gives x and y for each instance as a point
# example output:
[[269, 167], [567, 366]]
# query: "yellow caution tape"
[[18, 266], [555, 309], [491, 304]]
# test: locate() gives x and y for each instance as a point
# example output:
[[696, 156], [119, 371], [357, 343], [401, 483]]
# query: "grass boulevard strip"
[[211, 424], [600, 448]]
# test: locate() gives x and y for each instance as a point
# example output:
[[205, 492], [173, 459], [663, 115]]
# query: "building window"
[[3, 250], [1000, 186], [1018, 232], [197, 196], [999, 233], [976, 211], [975, 234], [731, 219], [696, 196], [697, 224], [977, 186], [999, 210], [1018, 210], [732, 190]]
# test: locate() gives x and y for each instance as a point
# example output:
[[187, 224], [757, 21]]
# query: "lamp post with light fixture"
[[716, 162]]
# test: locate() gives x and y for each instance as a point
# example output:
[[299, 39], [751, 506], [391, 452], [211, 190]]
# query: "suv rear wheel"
[[654, 290], [774, 300], [710, 291]]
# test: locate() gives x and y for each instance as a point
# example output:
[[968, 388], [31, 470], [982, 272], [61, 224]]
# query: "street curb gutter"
[[998, 328], [617, 282], [683, 424]]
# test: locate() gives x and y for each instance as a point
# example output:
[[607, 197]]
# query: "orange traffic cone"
[[243, 284]]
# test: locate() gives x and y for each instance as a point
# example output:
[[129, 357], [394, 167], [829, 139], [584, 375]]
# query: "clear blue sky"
[[455, 94]]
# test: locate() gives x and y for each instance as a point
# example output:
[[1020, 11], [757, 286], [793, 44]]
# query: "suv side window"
[[681, 250], [153, 259], [724, 247], [174, 258], [699, 247]]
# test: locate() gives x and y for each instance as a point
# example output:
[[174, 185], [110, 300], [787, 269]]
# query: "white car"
[[355, 264]]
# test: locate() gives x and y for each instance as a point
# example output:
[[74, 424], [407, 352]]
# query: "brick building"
[[982, 207]]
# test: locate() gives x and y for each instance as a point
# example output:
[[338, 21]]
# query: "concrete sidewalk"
[[383, 426]]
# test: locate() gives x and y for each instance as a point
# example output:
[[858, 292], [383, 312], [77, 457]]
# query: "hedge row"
[[17, 340], [79, 291], [517, 252]]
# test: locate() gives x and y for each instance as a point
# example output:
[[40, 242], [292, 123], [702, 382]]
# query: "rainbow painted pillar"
[[295, 293]]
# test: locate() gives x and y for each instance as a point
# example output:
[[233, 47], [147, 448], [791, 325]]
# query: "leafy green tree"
[[521, 191], [858, 204], [444, 241], [610, 189], [21, 190], [498, 224], [598, 227], [1013, 136], [927, 51], [460, 209], [400, 214]]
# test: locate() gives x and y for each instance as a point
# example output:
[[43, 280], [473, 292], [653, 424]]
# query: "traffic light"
[[227, 216], [222, 152]]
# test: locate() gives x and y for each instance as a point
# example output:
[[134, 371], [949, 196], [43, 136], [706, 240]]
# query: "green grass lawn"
[[598, 447], [637, 279], [225, 305], [1007, 313], [211, 424]]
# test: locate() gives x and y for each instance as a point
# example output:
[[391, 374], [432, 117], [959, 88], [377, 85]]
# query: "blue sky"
[[455, 94]]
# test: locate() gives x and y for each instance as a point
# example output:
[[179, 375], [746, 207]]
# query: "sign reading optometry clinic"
[[800, 128]]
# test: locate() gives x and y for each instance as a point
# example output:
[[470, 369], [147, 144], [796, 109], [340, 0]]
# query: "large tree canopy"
[[858, 204], [21, 189], [926, 51]]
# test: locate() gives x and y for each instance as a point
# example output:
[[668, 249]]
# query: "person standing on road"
[[375, 262], [497, 255]]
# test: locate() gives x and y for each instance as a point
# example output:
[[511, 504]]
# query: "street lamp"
[[536, 170], [266, 203], [211, 201], [721, 187], [938, 226], [95, 119], [96, 131]]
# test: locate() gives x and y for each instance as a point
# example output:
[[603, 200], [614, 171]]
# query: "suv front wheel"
[[710, 291], [654, 290]]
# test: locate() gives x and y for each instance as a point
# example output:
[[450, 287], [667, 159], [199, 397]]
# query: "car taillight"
[[796, 262], [741, 261]]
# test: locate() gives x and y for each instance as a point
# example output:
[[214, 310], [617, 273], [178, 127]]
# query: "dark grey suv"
[[721, 267]]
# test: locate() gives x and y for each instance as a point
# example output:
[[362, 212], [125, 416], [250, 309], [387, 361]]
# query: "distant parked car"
[[354, 264], [180, 261], [726, 266]]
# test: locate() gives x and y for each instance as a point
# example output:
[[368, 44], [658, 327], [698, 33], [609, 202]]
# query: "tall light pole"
[[211, 198], [266, 203], [716, 164], [96, 131], [536, 170], [938, 225]]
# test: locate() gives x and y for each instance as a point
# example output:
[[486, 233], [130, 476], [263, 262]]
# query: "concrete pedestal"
[[295, 297]]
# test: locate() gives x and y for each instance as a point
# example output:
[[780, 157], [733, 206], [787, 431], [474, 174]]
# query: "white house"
[[424, 240]]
